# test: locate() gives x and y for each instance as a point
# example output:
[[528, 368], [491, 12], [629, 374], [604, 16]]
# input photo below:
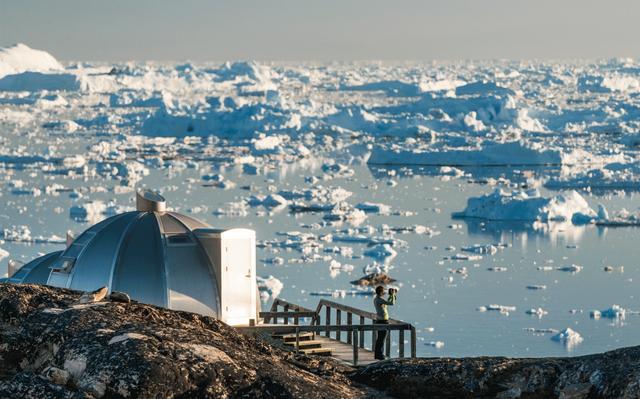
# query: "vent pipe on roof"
[[150, 201]]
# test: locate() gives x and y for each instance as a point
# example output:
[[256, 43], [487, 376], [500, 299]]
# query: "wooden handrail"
[[294, 307], [351, 309], [355, 333], [291, 328], [290, 315]]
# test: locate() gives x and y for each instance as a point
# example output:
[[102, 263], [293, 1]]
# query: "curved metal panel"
[[189, 222], [190, 280], [37, 271], [92, 268], [139, 270]]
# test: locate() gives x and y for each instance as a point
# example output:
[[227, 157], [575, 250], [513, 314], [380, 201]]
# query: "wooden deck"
[[344, 352], [326, 332]]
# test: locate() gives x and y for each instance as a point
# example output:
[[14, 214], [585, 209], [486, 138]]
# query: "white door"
[[239, 282]]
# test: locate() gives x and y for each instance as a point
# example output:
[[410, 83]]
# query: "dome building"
[[161, 258]]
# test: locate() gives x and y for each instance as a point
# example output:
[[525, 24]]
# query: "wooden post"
[[349, 323], [374, 337], [361, 332], [338, 322], [387, 350], [401, 344], [355, 346], [413, 342], [297, 340], [327, 321], [286, 318]]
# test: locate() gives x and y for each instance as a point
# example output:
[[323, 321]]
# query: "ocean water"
[[442, 304]]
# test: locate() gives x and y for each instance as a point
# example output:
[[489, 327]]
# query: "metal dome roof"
[[156, 257]]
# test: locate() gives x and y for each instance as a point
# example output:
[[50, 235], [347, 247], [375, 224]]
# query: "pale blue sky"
[[324, 29]]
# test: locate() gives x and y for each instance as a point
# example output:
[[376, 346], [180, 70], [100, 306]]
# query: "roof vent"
[[150, 201]]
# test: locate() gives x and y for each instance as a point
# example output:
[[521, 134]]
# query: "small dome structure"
[[161, 258]]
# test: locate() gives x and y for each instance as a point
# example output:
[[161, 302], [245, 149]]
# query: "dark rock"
[[612, 374], [117, 296], [52, 346], [374, 279]]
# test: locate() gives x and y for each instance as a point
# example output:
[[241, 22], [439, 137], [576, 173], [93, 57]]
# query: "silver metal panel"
[[211, 245], [171, 225], [140, 268], [37, 271], [190, 222], [191, 282], [92, 268]]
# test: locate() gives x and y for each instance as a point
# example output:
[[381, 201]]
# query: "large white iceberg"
[[488, 154], [21, 58], [530, 206]]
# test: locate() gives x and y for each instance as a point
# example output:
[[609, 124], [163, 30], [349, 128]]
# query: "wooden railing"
[[361, 325], [289, 311], [357, 322]]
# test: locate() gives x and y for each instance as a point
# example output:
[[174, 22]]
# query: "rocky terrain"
[[614, 374], [52, 345], [63, 344]]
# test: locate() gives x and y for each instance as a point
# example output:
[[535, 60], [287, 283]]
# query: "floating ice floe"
[[541, 330], [490, 154], [537, 312], [342, 267], [463, 257], [499, 308], [269, 201], [614, 312], [482, 249], [573, 269], [619, 219], [381, 251], [568, 337], [269, 287], [370, 207], [94, 211], [529, 206], [23, 234]]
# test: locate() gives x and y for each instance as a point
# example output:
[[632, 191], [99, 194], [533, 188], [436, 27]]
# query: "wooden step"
[[317, 351], [292, 337], [306, 344]]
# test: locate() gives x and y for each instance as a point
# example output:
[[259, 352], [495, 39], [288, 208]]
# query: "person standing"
[[382, 316]]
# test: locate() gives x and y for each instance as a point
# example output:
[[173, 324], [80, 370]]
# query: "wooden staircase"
[[306, 343]]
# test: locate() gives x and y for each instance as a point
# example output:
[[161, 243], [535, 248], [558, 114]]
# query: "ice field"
[[502, 196]]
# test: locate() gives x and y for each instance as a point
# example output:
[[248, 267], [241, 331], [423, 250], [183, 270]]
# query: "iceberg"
[[490, 154], [529, 206], [21, 58]]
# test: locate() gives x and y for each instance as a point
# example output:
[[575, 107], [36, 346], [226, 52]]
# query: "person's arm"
[[392, 297]]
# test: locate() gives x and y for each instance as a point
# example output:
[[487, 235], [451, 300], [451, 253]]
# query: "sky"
[[323, 30]]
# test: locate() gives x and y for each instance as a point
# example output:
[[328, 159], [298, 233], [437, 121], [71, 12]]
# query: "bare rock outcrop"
[[56, 347], [614, 374]]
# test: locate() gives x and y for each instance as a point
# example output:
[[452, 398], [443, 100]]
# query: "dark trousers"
[[382, 335]]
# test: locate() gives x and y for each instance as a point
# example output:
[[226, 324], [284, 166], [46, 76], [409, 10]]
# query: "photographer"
[[382, 316]]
